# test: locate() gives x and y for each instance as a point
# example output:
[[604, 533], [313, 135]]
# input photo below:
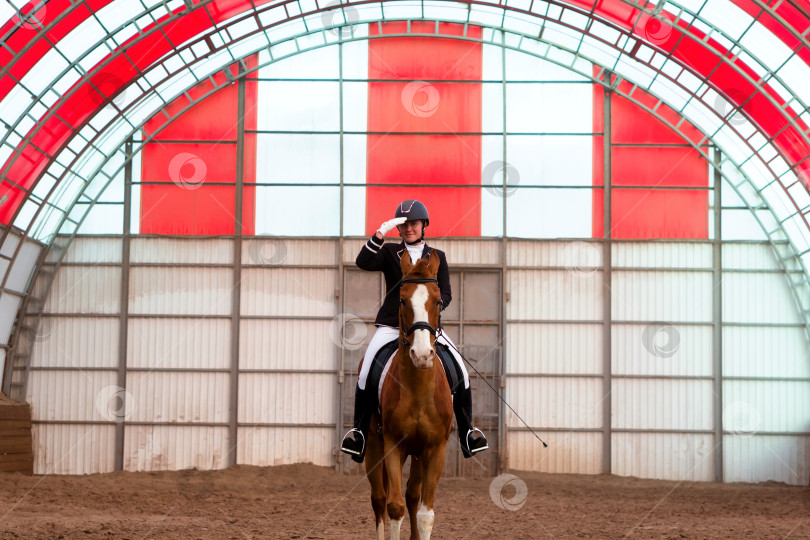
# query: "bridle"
[[419, 325]]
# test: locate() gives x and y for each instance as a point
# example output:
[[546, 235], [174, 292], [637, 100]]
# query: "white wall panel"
[[758, 298], [73, 449], [665, 456], [766, 458], [577, 255], [20, 273], [569, 452], [554, 294], [160, 448], [72, 395], [178, 397], [269, 446], [288, 344], [748, 256], [288, 398], [289, 291], [662, 254], [656, 349], [94, 250], [468, 252], [9, 306], [555, 402], [197, 343], [662, 404], [85, 289], [273, 250], [751, 351], [181, 250], [180, 291], [661, 296], [75, 342], [553, 348], [753, 406]]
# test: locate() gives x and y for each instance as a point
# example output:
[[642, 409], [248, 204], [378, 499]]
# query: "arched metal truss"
[[94, 156]]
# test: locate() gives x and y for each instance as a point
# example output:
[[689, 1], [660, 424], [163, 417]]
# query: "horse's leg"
[[433, 465], [375, 471], [393, 469], [413, 493]]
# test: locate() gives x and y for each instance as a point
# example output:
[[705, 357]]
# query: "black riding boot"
[[462, 406], [354, 442]]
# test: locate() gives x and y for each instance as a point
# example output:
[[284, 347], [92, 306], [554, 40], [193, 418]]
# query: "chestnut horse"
[[416, 406]]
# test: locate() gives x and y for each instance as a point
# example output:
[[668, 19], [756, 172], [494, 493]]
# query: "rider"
[[411, 220]]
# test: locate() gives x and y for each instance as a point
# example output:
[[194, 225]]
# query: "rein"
[[420, 325]]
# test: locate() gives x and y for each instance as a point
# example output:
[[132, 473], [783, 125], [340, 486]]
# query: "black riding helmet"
[[413, 210]]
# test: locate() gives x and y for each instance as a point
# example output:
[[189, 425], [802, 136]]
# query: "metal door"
[[473, 322]]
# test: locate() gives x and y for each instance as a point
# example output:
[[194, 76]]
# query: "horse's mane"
[[420, 270]]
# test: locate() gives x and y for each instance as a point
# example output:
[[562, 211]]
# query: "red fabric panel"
[[417, 107], [648, 213], [186, 205]]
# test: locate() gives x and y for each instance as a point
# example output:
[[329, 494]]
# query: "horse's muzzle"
[[423, 361]]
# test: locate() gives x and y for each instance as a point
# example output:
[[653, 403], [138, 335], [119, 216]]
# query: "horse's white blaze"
[[424, 522], [395, 525], [421, 338]]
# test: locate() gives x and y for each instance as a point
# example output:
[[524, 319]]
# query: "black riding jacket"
[[376, 255]]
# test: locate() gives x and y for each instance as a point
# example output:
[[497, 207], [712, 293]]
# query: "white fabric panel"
[[549, 213], [551, 160], [567, 452], [687, 457], [294, 105], [161, 448], [549, 108], [270, 446], [355, 110], [294, 158], [73, 449], [354, 211], [178, 397], [297, 211], [662, 404]]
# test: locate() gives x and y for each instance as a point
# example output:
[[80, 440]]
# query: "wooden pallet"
[[16, 452]]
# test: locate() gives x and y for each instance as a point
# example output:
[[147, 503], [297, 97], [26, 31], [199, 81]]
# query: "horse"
[[416, 408]]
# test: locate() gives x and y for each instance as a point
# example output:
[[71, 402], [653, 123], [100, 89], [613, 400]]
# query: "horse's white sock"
[[424, 521]]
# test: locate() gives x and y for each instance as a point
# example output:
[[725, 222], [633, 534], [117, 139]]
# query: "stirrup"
[[469, 452], [353, 451]]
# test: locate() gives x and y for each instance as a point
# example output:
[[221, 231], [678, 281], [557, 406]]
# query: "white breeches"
[[383, 335]]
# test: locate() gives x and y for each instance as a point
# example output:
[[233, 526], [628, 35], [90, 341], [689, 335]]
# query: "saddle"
[[382, 360]]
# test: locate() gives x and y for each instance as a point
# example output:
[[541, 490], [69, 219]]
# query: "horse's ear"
[[433, 263], [405, 262]]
